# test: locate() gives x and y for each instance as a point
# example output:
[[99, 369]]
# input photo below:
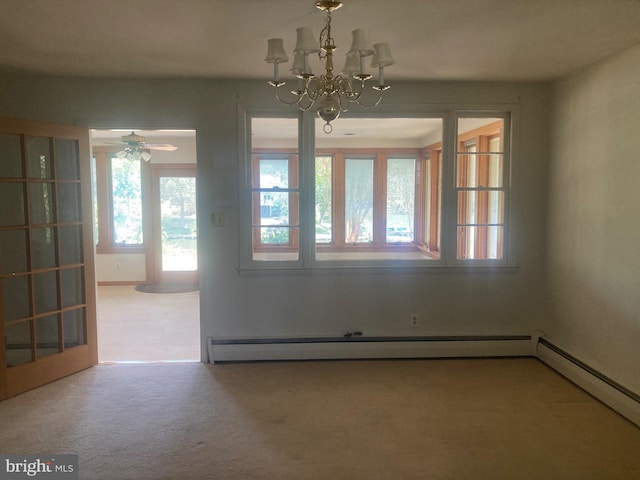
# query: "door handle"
[[9, 275]]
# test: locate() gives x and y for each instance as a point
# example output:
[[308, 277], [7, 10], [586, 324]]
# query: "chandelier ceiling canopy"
[[330, 93]]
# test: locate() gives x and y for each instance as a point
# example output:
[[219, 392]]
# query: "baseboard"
[[248, 350], [609, 392]]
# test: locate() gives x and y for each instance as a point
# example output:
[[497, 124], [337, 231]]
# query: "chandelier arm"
[[367, 105], [295, 101], [305, 107], [316, 89], [344, 106]]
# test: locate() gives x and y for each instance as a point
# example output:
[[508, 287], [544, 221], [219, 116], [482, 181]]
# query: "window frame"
[[292, 157], [105, 240], [508, 215], [437, 166]]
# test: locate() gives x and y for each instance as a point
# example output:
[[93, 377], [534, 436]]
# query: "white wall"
[[324, 305], [121, 267], [594, 218]]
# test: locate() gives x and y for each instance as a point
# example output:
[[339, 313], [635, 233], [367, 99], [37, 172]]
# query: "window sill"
[[369, 269], [131, 249]]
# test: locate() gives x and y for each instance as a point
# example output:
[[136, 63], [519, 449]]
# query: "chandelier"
[[332, 94]]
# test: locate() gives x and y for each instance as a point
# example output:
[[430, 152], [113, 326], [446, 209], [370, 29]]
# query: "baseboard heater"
[[608, 391], [361, 347]]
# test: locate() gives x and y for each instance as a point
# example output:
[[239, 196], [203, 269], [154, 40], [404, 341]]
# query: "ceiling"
[[495, 40]]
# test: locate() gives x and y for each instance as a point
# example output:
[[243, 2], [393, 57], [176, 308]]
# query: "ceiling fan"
[[136, 148]]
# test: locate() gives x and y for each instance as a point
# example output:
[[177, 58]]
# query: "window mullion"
[[449, 210]]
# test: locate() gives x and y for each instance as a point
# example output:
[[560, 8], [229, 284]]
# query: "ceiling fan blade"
[[161, 146]]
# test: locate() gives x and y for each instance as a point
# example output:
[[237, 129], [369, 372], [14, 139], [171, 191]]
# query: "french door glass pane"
[[41, 220], [71, 240], [72, 286], [11, 161], [401, 194], [178, 223], [18, 342], [13, 251], [41, 203], [43, 248], [12, 200], [67, 160], [15, 294], [324, 205], [126, 192], [70, 202], [47, 339], [45, 292], [38, 151], [74, 327], [358, 200]]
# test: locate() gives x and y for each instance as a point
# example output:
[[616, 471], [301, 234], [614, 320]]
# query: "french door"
[[47, 284], [174, 252]]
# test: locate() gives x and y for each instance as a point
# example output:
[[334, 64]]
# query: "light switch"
[[217, 219]]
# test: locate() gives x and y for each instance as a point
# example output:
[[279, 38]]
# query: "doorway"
[[146, 254]]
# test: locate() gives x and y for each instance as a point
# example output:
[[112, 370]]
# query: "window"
[[119, 189], [373, 200], [274, 194], [126, 200], [383, 191], [481, 188]]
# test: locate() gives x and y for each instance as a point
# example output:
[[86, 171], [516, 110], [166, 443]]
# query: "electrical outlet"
[[415, 320]]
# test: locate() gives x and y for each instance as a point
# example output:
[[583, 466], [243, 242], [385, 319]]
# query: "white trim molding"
[[609, 392], [358, 347]]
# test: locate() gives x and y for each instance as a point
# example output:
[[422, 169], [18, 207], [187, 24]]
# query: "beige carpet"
[[147, 327], [420, 419]]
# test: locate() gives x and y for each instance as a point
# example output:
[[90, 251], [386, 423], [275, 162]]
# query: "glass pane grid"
[[19, 343]]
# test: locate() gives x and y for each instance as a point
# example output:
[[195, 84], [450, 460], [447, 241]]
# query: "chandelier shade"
[[331, 94], [360, 44], [382, 56], [306, 41], [275, 52]]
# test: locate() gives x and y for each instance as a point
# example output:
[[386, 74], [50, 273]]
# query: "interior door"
[[175, 257], [47, 285]]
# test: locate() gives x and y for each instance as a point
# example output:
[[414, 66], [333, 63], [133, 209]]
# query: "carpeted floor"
[[421, 419], [136, 327]]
